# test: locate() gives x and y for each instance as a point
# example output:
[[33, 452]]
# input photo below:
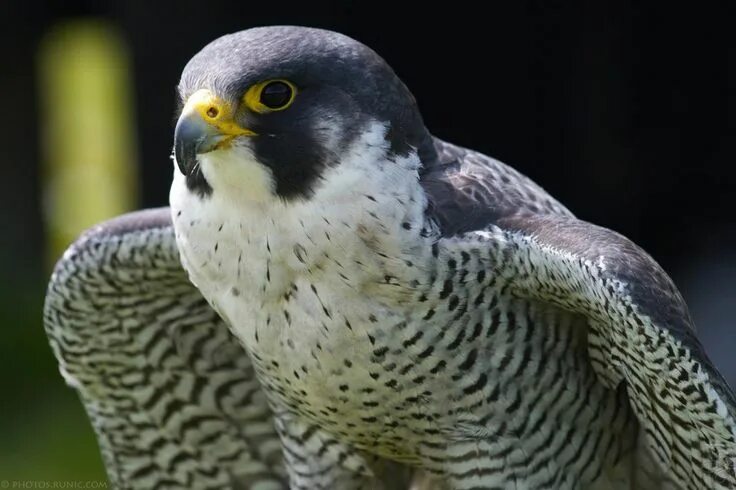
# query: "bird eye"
[[276, 95], [272, 95]]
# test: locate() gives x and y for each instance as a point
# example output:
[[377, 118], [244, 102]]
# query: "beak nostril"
[[212, 112]]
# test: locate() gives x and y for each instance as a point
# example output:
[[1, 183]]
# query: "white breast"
[[289, 276]]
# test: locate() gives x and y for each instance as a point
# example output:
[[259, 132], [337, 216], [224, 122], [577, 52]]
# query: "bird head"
[[268, 110]]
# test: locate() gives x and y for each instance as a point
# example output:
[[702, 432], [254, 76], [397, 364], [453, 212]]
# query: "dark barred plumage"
[[170, 393], [173, 398]]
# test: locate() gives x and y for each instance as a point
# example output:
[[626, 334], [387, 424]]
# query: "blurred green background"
[[626, 113]]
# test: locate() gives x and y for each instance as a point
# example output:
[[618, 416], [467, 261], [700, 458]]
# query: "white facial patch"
[[364, 168], [235, 173]]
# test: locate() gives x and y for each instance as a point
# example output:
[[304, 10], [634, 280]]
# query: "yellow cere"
[[216, 112], [252, 97]]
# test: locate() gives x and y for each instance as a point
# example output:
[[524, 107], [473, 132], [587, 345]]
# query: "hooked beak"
[[205, 124]]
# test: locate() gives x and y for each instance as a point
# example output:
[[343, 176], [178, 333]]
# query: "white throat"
[[245, 237], [301, 278]]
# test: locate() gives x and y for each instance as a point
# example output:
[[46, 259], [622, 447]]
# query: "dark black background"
[[623, 112]]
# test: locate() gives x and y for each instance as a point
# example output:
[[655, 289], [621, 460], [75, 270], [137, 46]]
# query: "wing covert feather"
[[639, 329], [171, 394]]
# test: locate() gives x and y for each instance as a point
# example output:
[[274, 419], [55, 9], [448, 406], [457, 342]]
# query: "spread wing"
[[640, 332], [171, 394]]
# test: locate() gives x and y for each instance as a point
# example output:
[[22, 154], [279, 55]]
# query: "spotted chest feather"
[[413, 350]]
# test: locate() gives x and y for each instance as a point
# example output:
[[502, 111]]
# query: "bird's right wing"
[[171, 394]]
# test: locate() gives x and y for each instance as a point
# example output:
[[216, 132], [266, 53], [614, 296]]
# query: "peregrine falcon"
[[338, 299]]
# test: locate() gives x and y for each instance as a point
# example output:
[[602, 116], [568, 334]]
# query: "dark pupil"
[[275, 95]]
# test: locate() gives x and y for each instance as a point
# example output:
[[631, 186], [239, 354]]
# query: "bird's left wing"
[[640, 333], [172, 396]]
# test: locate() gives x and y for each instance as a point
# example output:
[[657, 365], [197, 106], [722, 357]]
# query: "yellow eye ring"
[[270, 96]]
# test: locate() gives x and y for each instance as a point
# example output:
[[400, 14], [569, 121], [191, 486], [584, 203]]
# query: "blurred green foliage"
[[45, 434], [89, 174]]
